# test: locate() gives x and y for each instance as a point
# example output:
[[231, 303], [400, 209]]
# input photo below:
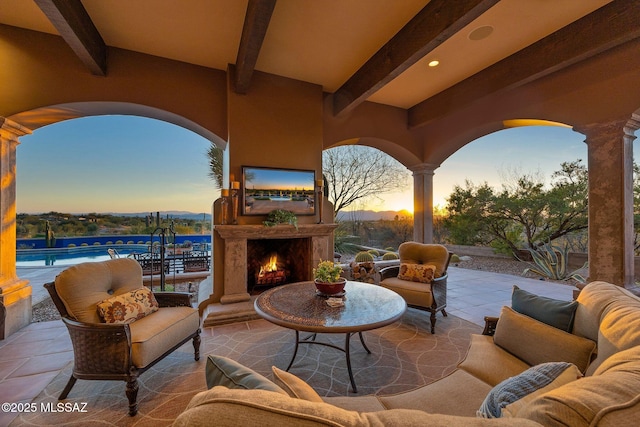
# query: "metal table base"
[[311, 339]]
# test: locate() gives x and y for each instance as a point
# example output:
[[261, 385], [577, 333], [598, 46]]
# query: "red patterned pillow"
[[423, 273], [128, 307]]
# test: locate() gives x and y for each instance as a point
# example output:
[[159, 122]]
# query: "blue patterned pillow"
[[506, 398]]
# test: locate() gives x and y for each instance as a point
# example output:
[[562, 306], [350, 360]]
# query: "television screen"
[[267, 189]]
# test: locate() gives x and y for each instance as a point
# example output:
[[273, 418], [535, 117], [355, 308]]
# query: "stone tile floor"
[[33, 356]]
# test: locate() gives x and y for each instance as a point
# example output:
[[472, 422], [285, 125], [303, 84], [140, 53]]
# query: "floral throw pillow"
[[128, 307], [423, 273]]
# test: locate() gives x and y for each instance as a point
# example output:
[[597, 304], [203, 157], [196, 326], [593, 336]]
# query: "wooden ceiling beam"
[[610, 26], [73, 23], [432, 26], [256, 22]]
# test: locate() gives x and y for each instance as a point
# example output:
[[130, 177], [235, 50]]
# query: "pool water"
[[71, 256]]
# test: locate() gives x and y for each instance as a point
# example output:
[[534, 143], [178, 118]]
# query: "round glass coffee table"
[[300, 307]]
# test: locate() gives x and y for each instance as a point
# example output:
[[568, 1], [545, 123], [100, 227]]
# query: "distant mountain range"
[[170, 214], [364, 215], [361, 215]]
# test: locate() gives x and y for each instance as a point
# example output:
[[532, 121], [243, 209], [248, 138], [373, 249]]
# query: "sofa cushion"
[[623, 361], [222, 371], [459, 393], [535, 342], [423, 273], [223, 407], [489, 362], [82, 286], [294, 386], [366, 403], [553, 312], [619, 328], [515, 392], [128, 307], [610, 397], [593, 300]]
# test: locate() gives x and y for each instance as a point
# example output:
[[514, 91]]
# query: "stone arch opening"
[[15, 292], [114, 163], [39, 117]]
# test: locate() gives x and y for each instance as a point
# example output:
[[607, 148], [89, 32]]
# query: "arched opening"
[[93, 159], [529, 149], [372, 193], [115, 163]]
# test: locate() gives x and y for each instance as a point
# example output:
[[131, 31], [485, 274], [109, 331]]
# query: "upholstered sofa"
[[604, 344]]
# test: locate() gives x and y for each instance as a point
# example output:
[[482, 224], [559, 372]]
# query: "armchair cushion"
[[553, 312], [513, 393], [423, 273], [152, 335], [128, 307], [536, 342], [421, 253], [83, 286]]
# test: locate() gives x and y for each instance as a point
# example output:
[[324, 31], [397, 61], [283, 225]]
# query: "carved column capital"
[[633, 124], [10, 131], [423, 169], [607, 131]]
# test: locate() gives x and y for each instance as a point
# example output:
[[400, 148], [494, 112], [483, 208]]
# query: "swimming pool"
[[71, 256]]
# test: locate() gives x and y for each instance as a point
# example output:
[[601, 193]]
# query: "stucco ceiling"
[[319, 41]]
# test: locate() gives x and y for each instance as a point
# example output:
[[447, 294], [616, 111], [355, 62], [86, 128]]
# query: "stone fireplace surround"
[[235, 297]]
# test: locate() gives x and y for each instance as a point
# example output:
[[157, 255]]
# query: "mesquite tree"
[[524, 214], [355, 172]]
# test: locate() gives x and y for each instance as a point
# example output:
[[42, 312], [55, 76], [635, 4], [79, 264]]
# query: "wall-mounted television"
[[266, 189]]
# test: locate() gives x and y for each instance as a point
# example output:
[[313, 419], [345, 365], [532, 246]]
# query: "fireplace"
[[272, 262], [236, 247]]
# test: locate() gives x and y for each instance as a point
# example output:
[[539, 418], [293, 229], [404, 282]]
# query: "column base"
[[15, 306], [234, 298]]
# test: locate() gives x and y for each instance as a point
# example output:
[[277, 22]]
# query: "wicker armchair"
[[112, 351], [430, 294]]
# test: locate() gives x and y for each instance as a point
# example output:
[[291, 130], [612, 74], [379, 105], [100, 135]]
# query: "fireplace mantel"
[[280, 231], [234, 238]]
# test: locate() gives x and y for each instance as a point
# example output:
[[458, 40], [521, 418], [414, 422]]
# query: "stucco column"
[[611, 235], [15, 293], [423, 202]]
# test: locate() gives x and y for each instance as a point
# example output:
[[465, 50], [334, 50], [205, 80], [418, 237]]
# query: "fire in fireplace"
[[272, 262], [272, 273]]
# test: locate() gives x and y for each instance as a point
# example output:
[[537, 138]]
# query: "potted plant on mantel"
[[327, 278], [281, 216]]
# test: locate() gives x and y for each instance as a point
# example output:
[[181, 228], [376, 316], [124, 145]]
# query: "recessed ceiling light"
[[434, 63], [481, 33]]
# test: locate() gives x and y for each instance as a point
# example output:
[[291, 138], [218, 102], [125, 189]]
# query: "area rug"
[[403, 356]]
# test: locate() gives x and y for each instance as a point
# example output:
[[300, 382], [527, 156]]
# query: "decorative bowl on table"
[[330, 288]]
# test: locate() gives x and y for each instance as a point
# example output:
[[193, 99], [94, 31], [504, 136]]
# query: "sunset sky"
[[133, 164]]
